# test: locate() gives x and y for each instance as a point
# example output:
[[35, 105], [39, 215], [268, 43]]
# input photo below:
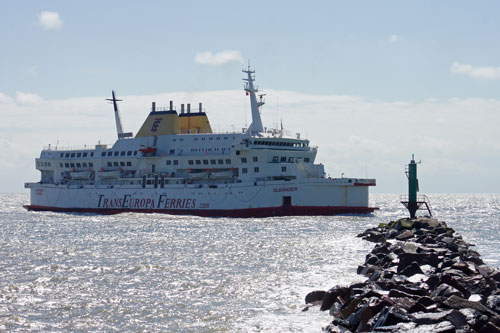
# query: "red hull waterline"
[[249, 212]]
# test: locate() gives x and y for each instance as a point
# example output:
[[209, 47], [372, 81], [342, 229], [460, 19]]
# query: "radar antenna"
[[119, 128], [256, 125]]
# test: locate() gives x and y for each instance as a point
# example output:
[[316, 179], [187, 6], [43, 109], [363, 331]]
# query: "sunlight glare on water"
[[152, 272]]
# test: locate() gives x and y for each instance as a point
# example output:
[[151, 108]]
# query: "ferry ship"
[[176, 164]]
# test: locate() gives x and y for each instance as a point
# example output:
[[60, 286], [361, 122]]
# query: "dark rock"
[[433, 281], [493, 302], [371, 259], [315, 296], [412, 291], [412, 269], [496, 276], [423, 318], [456, 302], [445, 290], [480, 322], [426, 301], [397, 293], [405, 259], [489, 328], [349, 307], [450, 280], [331, 297], [457, 319], [442, 327], [407, 234], [392, 316], [417, 307]]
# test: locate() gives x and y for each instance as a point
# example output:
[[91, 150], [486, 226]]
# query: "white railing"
[[81, 147]]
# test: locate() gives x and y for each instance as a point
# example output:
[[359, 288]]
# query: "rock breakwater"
[[421, 276]]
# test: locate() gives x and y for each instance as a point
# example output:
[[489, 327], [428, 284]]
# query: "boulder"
[[315, 296]]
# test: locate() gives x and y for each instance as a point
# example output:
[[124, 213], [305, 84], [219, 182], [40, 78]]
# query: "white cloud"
[[4, 99], [50, 20], [394, 39], [208, 58], [489, 73], [456, 139], [27, 98]]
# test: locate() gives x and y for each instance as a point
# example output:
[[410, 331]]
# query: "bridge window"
[[169, 162], [275, 159], [283, 169], [244, 170], [283, 159], [91, 164], [255, 159], [103, 154], [122, 153], [190, 162], [306, 159], [129, 163], [228, 161], [79, 155], [110, 164], [243, 160], [205, 162], [256, 169]]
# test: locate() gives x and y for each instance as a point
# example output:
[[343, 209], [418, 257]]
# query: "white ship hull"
[[176, 164], [308, 197]]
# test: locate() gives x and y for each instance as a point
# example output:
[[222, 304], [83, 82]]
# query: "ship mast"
[[256, 125], [119, 128]]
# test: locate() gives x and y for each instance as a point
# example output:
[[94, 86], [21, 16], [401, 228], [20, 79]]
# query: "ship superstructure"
[[176, 164]]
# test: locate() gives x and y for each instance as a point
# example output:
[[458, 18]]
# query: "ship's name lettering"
[[285, 189], [163, 202]]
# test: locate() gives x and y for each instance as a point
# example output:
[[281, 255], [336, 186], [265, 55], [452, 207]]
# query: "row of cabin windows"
[[206, 162], [76, 154], [116, 164], [279, 143], [77, 165], [254, 158], [207, 149], [42, 163], [245, 170], [119, 153], [211, 138], [291, 159], [175, 162]]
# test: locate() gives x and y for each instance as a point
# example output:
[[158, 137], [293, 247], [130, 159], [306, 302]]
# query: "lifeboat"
[[148, 150], [80, 175]]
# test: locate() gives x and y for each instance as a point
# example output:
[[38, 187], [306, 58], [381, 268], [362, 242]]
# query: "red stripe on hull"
[[249, 212]]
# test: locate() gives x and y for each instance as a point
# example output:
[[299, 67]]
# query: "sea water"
[[153, 272]]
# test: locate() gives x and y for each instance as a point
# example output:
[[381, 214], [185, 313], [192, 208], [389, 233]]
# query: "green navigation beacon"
[[413, 202]]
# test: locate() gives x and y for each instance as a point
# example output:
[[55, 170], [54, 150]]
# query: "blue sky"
[[425, 61]]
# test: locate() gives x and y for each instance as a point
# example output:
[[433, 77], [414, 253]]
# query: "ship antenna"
[[256, 125], [119, 129]]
